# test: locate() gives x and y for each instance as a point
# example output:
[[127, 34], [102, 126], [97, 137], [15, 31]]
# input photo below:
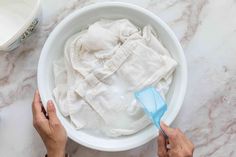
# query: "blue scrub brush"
[[153, 105]]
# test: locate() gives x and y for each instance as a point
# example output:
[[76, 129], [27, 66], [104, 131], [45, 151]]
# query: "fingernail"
[[163, 124], [50, 104]]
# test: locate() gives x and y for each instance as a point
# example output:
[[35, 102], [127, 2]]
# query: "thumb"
[[168, 130], [171, 133], [52, 113]]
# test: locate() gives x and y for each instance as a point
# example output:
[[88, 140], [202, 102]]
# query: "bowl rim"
[[182, 90]]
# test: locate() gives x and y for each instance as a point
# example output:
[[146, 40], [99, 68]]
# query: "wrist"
[[60, 153]]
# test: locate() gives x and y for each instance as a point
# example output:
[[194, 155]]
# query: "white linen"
[[102, 67]]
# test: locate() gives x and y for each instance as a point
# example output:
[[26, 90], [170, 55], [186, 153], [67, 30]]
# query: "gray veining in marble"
[[207, 31]]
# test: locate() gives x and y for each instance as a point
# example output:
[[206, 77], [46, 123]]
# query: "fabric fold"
[[102, 67]]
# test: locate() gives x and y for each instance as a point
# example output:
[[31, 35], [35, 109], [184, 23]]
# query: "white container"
[[80, 19], [18, 19]]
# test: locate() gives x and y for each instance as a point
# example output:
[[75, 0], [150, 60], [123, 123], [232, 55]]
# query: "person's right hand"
[[49, 127], [177, 145]]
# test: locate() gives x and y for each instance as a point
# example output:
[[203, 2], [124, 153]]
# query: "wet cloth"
[[102, 67]]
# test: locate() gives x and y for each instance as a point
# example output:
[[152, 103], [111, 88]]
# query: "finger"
[[52, 113], [182, 136], [172, 153], [162, 151], [185, 140], [168, 130], [171, 133], [37, 106], [185, 144], [40, 124], [44, 111]]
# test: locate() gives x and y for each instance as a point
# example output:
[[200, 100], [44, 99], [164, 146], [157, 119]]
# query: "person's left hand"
[[49, 127]]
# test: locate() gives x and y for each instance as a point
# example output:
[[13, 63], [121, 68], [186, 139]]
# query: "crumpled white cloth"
[[102, 67]]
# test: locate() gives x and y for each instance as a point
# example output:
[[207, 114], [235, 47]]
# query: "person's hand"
[[177, 145], [49, 127]]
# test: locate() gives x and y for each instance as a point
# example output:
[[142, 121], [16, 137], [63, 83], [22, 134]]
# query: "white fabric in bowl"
[[101, 69]]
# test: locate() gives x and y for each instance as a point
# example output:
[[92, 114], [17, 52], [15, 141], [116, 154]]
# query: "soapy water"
[[110, 104], [124, 95], [152, 102], [119, 88]]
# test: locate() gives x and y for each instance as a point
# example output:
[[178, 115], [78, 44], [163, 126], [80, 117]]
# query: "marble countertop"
[[207, 31]]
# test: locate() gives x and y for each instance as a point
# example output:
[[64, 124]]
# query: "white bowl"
[[80, 19], [19, 19]]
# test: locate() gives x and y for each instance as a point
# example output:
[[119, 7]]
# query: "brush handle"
[[163, 132]]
